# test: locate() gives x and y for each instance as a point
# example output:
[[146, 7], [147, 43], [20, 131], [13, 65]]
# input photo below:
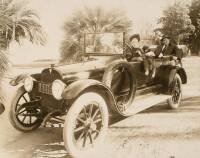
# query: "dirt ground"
[[155, 133]]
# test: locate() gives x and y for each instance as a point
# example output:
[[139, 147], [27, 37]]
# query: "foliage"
[[195, 18], [90, 20], [16, 23], [176, 22]]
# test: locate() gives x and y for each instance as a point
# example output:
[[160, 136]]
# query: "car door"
[[138, 68]]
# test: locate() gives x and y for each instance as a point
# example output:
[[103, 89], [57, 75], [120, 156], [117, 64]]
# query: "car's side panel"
[[165, 75], [138, 68]]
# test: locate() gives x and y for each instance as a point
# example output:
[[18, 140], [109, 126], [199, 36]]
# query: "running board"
[[143, 91], [149, 89], [143, 102]]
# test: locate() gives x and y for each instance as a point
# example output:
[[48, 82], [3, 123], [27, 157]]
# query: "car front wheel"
[[176, 92], [25, 114], [85, 124]]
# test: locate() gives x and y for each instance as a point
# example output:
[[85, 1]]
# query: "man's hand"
[[150, 54], [174, 57]]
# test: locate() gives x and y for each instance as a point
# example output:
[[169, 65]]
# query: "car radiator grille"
[[47, 77], [45, 88]]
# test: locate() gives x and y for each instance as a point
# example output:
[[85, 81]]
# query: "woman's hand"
[[160, 55], [139, 52]]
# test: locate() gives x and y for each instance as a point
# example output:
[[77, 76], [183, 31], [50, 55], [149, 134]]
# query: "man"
[[133, 51], [167, 48]]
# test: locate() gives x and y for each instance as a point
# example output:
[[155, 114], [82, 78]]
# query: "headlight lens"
[[57, 89], [28, 84]]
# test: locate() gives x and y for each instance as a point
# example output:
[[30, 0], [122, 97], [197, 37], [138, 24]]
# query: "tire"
[[82, 136], [121, 106], [2, 108], [16, 119], [176, 92]]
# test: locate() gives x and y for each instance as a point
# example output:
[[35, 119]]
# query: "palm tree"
[[17, 23], [90, 20], [20, 23]]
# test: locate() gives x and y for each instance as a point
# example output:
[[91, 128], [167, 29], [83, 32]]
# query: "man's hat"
[[165, 36], [137, 36]]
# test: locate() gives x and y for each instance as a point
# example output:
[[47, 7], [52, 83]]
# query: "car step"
[[143, 91], [149, 89], [145, 101]]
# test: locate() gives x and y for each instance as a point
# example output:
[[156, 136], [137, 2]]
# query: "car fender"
[[73, 90], [20, 78], [166, 73], [109, 71]]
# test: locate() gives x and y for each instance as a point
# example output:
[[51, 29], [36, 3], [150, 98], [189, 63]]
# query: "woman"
[[133, 51]]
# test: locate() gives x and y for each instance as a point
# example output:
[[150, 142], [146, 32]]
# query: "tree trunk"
[[13, 33], [195, 46]]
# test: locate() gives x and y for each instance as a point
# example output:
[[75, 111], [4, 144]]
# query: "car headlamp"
[[57, 89], [28, 83]]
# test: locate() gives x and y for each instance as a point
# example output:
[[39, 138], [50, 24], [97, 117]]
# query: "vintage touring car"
[[86, 94]]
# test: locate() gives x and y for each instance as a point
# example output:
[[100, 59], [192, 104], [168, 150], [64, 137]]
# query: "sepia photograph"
[[99, 79]]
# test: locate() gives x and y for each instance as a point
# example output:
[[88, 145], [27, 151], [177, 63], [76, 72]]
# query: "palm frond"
[[17, 23], [91, 20], [21, 23]]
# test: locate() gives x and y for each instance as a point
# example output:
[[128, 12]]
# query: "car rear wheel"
[[176, 92], [24, 115], [85, 124]]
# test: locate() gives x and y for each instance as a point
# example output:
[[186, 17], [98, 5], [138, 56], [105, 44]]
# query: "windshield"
[[104, 43]]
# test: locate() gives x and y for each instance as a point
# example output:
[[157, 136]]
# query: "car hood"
[[78, 70], [99, 63], [83, 70]]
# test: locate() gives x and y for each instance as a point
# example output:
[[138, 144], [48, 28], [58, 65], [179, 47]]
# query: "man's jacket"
[[170, 50]]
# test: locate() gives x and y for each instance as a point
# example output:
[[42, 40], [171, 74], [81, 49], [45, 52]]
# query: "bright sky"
[[54, 12]]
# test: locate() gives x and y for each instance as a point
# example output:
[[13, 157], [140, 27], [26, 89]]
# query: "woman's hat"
[[137, 36]]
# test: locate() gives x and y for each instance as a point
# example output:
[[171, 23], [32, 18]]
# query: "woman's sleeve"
[[128, 54]]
